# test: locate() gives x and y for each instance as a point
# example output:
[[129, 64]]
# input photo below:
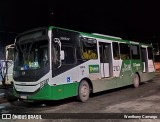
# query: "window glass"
[[32, 55], [143, 54], [88, 48], [116, 51], [150, 52], [69, 55], [125, 51], [135, 52]]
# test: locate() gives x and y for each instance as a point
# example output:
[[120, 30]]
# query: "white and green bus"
[[55, 63]]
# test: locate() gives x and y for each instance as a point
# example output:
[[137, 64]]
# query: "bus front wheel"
[[136, 80], [83, 91]]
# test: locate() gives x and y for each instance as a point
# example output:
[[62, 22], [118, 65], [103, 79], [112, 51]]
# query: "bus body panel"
[[50, 92], [148, 76], [104, 84]]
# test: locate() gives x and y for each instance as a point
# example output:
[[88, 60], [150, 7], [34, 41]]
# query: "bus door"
[[105, 59], [144, 58]]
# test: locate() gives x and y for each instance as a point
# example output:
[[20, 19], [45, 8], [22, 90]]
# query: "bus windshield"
[[31, 55]]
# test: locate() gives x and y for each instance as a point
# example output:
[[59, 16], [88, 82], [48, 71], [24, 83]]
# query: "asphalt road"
[[144, 99]]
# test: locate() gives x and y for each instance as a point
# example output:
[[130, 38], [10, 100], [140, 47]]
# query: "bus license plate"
[[23, 97]]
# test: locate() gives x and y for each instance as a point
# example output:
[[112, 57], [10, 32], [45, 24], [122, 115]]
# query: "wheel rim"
[[84, 90]]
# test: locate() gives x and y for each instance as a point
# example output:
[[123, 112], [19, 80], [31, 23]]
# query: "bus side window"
[[125, 51], [69, 55], [56, 55], [150, 53], [135, 52], [88, 48], [116, 51], [89, 54]]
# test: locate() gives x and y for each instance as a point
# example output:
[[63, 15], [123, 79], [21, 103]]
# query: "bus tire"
[[136, 80], [83, 91]]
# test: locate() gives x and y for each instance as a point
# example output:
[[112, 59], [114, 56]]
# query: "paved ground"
[[144, 99], [5, 92]]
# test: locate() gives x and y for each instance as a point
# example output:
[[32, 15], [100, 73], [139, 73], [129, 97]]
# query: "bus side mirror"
[[62, 55]]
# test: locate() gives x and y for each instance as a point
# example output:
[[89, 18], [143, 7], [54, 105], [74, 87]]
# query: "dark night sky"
[[129, 19]]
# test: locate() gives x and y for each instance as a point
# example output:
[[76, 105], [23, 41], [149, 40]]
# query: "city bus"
[[53, 63]]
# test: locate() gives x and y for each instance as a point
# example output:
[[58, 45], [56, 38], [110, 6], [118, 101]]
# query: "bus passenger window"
[[135, 52], [69, 55], [150, 52], [116, 51], [56, 55], [89, 48], [125, 51], [89, 54]]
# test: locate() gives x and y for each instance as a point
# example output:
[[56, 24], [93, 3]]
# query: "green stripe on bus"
[[54, 92]]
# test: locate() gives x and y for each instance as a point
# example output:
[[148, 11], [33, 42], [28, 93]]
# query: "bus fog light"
[[43, 83]]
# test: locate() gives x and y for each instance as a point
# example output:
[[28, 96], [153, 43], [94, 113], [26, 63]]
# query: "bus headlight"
[[43, 83]]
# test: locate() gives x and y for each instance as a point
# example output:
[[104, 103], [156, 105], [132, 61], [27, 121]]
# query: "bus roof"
[[101, 36]]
